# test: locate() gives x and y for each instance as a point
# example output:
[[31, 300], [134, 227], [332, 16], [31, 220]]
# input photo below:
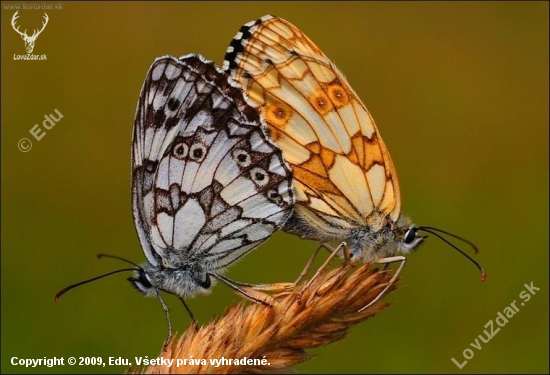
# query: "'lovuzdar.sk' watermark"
[[29, 40], [492, 329]]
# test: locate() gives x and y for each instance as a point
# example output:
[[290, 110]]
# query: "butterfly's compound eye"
[[411, 240], [410, 236], [207, 283], [142, 282]]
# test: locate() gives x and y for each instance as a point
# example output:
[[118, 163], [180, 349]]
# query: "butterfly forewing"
[[208, 186], [343, 173]]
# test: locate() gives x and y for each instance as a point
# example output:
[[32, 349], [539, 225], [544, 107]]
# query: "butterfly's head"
[[140, 279], [183, 281], [142, 282], [368, 244], [407, 236], [411, 239]]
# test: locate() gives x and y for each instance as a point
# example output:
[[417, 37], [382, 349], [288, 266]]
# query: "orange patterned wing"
[[343, 173]]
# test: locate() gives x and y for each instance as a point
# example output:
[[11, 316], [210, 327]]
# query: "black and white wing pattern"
[[208, 185]]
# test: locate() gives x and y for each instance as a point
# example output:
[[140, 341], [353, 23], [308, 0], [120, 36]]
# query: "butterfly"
[[208, 186], [345, 181]]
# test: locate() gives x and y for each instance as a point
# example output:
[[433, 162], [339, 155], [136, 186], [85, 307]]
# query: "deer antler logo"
[[29, 40]]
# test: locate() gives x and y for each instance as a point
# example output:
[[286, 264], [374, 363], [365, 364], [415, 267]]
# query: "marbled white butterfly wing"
[[344, 176], [208, 186]]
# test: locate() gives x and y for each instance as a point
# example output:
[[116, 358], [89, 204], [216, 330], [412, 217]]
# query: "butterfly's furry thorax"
[[183, 281], [365, 243]]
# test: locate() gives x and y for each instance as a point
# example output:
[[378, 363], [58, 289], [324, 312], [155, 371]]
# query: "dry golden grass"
[[281, 333]]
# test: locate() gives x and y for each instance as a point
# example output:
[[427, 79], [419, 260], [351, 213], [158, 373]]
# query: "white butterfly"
[[208, 186]]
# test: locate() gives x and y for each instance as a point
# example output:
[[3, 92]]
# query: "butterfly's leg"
[[309, 263], [347, 255], [330, 249], [193, 320], [246, 290], [165, 308], [334, 252], [275, 287], [283, 287], [387, 261]]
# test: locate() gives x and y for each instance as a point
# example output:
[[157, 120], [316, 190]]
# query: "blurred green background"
[[459, 92]]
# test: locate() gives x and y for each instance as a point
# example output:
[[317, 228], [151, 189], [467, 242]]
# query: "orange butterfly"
[[345, 181]]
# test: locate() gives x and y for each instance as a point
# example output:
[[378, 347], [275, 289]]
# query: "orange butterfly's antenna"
[[99, 256], [433, 231]]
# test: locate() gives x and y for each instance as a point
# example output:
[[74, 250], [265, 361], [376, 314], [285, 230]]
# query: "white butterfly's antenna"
[[72, 286], [102, 255], [433, 231], [99, 256], [163, 304]]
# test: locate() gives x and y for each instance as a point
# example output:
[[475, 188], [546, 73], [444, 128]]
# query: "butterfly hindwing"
[[343, 173], [208, 185]]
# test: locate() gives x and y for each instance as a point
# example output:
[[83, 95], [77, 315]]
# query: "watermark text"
[[492, 329]]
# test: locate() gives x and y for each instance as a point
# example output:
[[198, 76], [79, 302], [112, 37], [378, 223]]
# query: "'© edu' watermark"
[[501, 320], [38, 132]]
